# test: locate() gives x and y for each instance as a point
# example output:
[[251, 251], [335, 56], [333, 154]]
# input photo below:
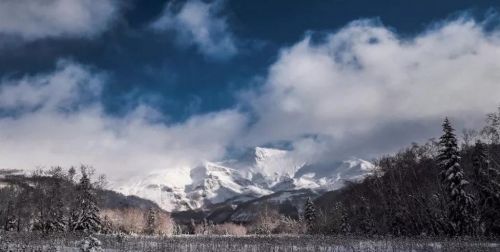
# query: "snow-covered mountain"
[[257, 173]]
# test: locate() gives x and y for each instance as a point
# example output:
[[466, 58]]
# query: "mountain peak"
[[260, 172]]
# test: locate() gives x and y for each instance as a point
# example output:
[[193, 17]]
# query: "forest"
[[445, 187]]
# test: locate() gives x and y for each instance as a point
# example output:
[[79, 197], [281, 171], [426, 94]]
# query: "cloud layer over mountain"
[[57, 119]]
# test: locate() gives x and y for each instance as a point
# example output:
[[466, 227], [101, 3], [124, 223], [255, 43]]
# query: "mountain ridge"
[[260, 172]]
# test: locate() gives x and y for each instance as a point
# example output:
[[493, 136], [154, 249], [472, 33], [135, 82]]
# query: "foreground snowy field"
[[16, 242]]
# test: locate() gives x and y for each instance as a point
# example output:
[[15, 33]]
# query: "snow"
[[217, 183], [245, 243], [275, 163], [260, 172]]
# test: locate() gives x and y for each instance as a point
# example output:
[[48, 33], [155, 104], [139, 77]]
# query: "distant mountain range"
[[229, 190], [261, 174]]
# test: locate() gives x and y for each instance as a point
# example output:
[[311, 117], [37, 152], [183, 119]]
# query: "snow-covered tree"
[[459, 202], [310, 212], [492, 128], [71, 174], [55, 221], [151, 221], [486, 182], [85, 213]]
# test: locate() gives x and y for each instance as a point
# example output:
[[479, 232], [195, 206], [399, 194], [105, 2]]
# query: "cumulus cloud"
[[365, 90], [63, 123], [38, 19], [200, 24]]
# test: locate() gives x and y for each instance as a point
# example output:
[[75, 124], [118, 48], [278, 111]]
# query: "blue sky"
[[173, 83]]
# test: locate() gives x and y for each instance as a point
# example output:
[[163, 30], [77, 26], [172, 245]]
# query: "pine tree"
[[85, 214], [459, 202], [310, 213], [151, 222], [485, 181]]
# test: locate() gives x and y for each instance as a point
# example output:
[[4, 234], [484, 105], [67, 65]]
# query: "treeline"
[[439, 188], [50, 201], [57, 201]]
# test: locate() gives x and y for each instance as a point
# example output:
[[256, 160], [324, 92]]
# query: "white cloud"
[[47, 134], [201, 24], [362, 91], [50, 92], [36, 19], [364, 87]]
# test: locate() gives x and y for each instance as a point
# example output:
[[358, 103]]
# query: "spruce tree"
[[85, 214], [310, 213], [459, 202], [486, 183]]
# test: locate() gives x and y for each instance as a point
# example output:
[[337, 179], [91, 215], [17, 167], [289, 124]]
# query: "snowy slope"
[[259, 172], [213, 183]]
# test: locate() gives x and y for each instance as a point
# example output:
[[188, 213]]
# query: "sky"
[[132, 87]]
